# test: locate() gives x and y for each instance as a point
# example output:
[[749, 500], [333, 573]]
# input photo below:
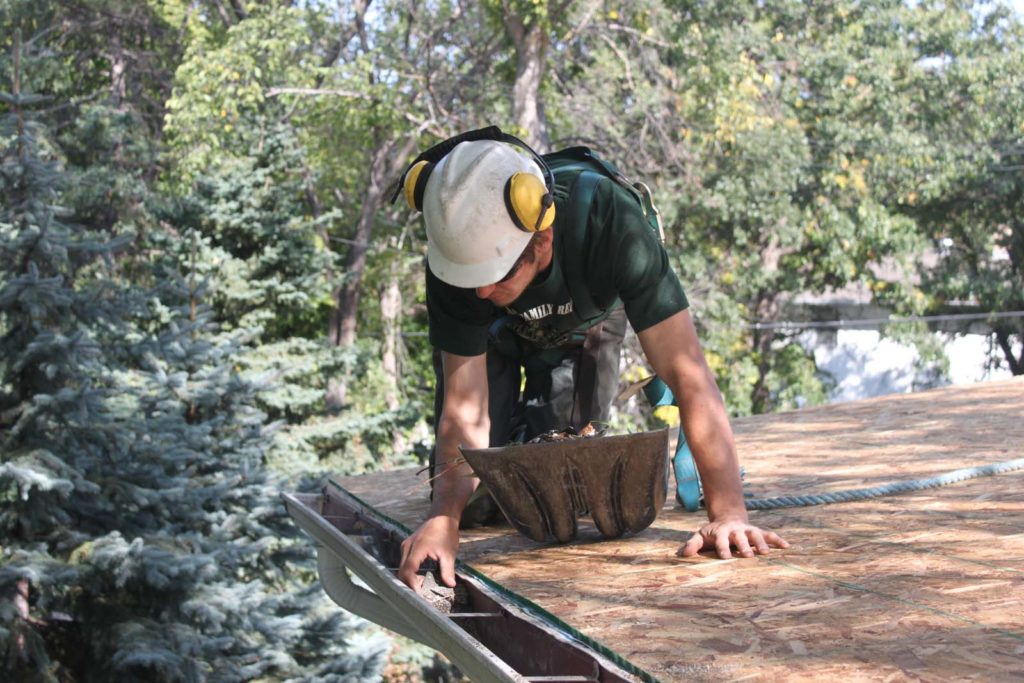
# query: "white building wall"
[[865, 365]]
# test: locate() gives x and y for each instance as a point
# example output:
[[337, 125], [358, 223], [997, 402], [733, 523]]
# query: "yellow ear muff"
[[415, 183], [528, 202]]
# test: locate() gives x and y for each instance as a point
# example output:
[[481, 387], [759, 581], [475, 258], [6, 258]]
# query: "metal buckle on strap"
[[648, 204], [573, 340]]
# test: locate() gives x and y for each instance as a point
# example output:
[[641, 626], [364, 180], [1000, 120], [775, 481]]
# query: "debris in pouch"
[[585, 432]]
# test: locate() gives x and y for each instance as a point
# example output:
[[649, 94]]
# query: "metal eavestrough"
[[493, 637]]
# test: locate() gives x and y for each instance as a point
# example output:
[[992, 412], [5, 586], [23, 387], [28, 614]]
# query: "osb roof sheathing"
[[926, 585]]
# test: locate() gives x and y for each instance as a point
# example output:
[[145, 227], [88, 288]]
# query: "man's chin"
[[501, 301]]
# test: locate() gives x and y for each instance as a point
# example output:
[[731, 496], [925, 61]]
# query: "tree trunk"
[[343, 318], [21, 608], [390, 314], [391, 351], [760, 397], [385, 165], [531, 43], [386, 162], [1004, 338], [118, 76]]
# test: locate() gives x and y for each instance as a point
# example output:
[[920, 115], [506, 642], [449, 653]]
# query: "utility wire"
[[878, 322], [839, 324]]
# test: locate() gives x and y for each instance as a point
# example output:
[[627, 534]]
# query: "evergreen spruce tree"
[[262, 250], [47, 366], [142, 538]]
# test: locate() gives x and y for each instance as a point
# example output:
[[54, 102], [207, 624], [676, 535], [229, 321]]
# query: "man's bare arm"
[[464, 421], [674, 352]]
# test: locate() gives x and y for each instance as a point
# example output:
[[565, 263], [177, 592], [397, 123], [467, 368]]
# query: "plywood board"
[[925, 585]]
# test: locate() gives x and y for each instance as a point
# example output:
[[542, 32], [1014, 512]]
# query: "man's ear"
[[543, 245]]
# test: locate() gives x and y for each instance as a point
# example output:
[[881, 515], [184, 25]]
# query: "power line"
[[878, 322], [839, 324]]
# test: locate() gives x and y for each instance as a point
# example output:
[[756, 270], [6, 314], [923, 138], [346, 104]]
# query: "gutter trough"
[[488, 637]]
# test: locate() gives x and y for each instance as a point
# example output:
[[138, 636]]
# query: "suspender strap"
[[585, 386], [579, 214]]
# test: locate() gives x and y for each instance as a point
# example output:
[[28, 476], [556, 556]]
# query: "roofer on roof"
[[506, 278]]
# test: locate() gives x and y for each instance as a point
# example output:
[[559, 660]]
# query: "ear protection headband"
[[528, 200]]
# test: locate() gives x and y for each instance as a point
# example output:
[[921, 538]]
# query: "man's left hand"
[[723, 535]]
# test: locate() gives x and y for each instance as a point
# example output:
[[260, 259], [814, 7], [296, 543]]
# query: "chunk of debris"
[[585, 432], [444, 599]]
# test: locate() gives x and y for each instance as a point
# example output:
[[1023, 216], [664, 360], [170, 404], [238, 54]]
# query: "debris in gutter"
[[444, 599]]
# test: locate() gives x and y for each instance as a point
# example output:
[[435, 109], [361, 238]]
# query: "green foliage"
[[358, 439], [969, 202], [788, 145], [220, 105], [138, 515], [798, 381], [262, 257]]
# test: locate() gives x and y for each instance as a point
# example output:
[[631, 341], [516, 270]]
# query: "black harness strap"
[[585, 384]]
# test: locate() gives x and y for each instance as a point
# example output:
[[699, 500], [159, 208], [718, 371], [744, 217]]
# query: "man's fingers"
[[722, 544], [411, 561], [406, 547], [748, 541], [739, 539], [757, 540], [436, 539], [692, 546], [447, 563], [407, 574]]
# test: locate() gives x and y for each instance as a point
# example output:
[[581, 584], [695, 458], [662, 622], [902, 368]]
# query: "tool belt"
[[542, 488]]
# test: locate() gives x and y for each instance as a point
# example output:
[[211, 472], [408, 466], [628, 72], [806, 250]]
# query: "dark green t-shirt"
[[622, 258]]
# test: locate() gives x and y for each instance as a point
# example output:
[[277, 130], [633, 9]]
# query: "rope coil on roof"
[[849, 495]]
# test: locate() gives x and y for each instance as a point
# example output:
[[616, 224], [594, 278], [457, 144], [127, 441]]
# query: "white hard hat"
[[472, 239]]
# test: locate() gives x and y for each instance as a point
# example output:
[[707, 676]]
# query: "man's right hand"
[[436, 539], [464, 420]]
